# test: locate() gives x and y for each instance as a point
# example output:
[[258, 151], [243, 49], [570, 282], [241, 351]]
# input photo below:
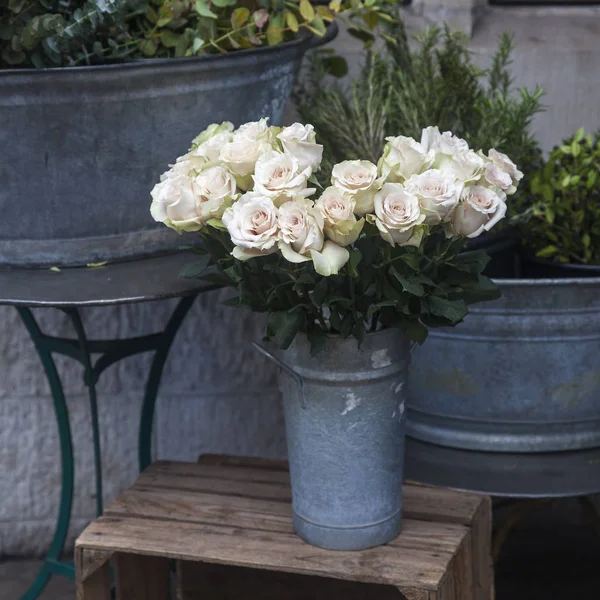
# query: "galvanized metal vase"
[[521, 374], [83, 146], [345, 424]]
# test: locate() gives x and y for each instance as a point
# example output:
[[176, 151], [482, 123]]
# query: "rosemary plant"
[[401, 91]]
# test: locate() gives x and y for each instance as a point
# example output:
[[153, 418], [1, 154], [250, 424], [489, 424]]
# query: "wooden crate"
[[228, 524]]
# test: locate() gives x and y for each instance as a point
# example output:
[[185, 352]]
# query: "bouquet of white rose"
[[380, 247]]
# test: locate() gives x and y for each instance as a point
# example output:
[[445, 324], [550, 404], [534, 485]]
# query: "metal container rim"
[[547, 282]]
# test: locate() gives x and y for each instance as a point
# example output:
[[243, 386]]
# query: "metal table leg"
[[111, 351], [52, 562]]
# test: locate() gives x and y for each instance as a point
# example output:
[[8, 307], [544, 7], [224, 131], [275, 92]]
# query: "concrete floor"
[[553, 556]]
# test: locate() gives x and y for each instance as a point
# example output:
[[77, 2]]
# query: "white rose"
[[337, 209], [300, 141], [437, 192], [240, 156], [255, 131], [403, 157], [466, 166], [301, 230], [496, 177], [397, 215], [448, 143], [174, 204], [429, 139], [359, 179], [211, 148], [211, 131], [503, 162], [280, 177], [187, 165], [330, 259], [252, 223], [215, 190], [480, 209]]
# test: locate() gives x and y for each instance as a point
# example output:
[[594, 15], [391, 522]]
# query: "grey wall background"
[[218, 395]]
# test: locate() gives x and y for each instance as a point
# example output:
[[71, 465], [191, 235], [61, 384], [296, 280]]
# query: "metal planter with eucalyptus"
[[520, 375], [83, 146], [345, 422]]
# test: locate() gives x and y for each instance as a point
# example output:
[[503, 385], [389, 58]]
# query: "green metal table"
[[68, 290]]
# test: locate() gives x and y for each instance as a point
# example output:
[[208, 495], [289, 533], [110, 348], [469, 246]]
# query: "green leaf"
[[474, 261], [412, 287], [239, 17], [203, 9], [336, 66], [169, 38], [361, 34], [371, 19], [354, 261], [452, 310], [292, 21], [274, 33], [318, 341], [16, 5], [147, 47], [415, 330], [373, 308], [165, 16], [359, 332], [334, 319], [547, 252], [306, 10], [319, 25], [347, 325], [284, 324], [320, 291], [194, 269]]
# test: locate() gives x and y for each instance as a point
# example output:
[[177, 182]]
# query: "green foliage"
[[562, 206], [54, 33], [400, 92], [380, 286]]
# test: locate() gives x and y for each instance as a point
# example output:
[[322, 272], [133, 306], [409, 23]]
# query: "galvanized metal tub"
[[345, 422], [521, 374], [82, 147]]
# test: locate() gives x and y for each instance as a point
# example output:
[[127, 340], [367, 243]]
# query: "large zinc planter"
[[344, 419], [82, 147], [521, 374]]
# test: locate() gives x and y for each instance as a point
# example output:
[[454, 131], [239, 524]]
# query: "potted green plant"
[[521, 375], [96, 96], [351, 276], [401, 89], [560, 235]]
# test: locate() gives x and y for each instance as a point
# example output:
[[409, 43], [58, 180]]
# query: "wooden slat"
[[282, 552], [415, 594], [92, 574], [467, 502], [261, 515], [142, 577], [231, 473], [420, 502], [447, 589], [462, 568], [217, 582], [243, 461], [216, 485], [483, 566]]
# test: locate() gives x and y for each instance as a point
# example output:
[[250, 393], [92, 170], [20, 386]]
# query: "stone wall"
[[218, 395]]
